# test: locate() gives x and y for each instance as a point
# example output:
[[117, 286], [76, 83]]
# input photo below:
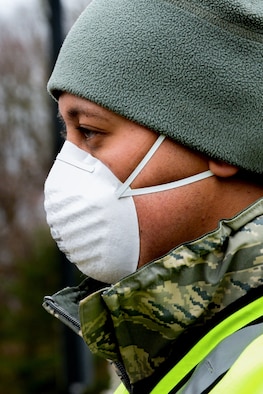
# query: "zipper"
[[122, 374], [54, 309]]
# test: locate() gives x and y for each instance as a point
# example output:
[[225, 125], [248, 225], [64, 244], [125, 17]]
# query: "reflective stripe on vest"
[[231, 324], [246, 374], [221, 359]]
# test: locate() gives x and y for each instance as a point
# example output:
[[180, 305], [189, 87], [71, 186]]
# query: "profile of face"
[[168, 218]]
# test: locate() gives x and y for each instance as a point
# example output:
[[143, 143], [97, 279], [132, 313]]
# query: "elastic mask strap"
[[121, 192], [126, 191], [168, 186]]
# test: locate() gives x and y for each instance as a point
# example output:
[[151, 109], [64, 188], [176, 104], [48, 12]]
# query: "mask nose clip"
[[75, 163]]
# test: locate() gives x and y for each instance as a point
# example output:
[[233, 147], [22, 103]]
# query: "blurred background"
[[37, 353]]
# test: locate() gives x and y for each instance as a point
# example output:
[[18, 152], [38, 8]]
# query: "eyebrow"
[[74, 112]]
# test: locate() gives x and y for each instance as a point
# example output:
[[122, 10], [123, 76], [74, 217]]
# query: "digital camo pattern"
[[136, 320]]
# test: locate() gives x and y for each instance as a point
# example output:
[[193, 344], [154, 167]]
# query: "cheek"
[[122, 167], [123, 156], [162, 222], [168, 219]]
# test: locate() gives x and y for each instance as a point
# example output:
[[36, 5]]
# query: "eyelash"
[[84, 131], [87, 133]]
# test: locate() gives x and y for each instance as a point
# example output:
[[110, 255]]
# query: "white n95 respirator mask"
[[92, 215]]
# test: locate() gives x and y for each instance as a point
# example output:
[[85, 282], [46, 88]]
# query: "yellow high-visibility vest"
[[244, 376]]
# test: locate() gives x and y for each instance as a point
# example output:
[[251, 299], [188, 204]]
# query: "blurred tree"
[[31, 357], [27, 358]]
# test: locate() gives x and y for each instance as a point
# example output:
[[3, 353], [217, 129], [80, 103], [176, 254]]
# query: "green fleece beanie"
[[190, 69]]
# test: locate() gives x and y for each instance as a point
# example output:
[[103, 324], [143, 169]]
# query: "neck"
[[232, 195]]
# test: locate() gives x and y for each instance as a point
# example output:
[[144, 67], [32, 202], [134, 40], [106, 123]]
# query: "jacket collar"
[[137, 320]]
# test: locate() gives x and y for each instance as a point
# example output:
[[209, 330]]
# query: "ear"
[[222, 169]]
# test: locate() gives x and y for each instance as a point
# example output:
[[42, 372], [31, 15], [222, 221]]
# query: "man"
[[156, 194]]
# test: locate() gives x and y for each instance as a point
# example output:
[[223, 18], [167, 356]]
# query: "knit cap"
[[189, 69]]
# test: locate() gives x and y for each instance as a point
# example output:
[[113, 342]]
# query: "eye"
[[84, 131], [88, 133]]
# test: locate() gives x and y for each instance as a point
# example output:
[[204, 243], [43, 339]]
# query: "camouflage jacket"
[[148, 320]]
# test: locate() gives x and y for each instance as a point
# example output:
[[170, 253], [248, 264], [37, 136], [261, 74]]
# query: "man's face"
[[168, 218]]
